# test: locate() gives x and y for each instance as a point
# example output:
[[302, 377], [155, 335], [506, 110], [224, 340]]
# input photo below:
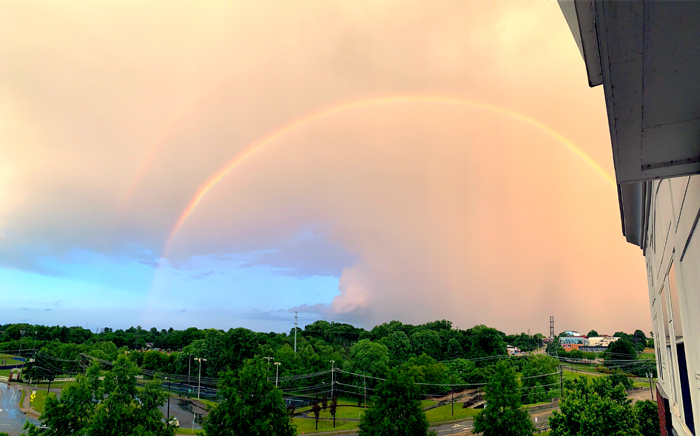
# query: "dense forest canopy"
[[317, 343], [435, 354]]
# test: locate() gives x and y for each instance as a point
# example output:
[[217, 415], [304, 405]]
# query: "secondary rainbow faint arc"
[[261, 143]]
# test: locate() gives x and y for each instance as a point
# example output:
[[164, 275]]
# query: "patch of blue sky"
[[123, 273], [218, 283], [39, 292]]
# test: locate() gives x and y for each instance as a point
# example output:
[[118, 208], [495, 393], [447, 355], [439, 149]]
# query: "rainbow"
[[304, 120], [171, 128]]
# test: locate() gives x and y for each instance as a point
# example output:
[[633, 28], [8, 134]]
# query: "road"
[[182, 410], [11, 419], [463, 428], [540, 417]]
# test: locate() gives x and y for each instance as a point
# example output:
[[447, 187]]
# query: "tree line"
[[108, 403]]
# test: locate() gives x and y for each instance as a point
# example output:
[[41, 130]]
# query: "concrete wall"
[[673, 274]]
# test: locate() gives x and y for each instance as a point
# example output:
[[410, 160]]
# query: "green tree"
[[316, 409], [619, 378], [368, 357], [250, 405], [594, 409], [621, 349], [426, 341], [454, 349], [504, 414], [486, 341], [424, 369], [623, 335], [460, 369], [332, 408], [576, 354], [592, 333], [107, 404], [540, 370], [397, 409], [399, 346], [648, 418]]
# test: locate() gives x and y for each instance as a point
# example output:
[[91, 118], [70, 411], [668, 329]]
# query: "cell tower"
[[551, 327]]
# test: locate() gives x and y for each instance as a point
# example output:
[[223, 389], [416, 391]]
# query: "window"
[[661, 366], [668, 341], [664, 314], [675, 306]]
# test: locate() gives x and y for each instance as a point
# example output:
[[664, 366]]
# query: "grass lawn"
[[581, 367], [444, 413], [543, 403], [648, 356], [39, 402], [61, 385], [21, 398], [209, 403], [341, 413], [427, 403], [342, 401], [188, 431], [308, 426], [569, 376]]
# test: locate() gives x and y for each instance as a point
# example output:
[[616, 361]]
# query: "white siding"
[[673, 242]]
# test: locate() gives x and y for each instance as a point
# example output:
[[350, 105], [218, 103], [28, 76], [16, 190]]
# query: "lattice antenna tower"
[[551, 327]]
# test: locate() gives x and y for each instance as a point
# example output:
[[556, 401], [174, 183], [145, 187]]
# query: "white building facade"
[[600, 341], [673, 273], [646, 56]]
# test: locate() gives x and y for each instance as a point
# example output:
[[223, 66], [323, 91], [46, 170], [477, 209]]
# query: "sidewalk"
[[25, 406]]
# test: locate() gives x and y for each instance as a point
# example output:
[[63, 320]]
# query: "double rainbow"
[[307, 119]]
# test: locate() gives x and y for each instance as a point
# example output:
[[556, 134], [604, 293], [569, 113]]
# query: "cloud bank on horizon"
[[117, 113]]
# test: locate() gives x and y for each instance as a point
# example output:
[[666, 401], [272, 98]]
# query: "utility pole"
[[651, 390], [452, 388], [364, 376], [268, 362], [332, 376], [295, 330], [561, 380], [199, 384], [277, 375]]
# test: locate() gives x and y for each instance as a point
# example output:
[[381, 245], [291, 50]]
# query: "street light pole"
[[199, 384], [168, 379], [21, 340], [268, 362], [332, 377], [189, 384], [277, 375]]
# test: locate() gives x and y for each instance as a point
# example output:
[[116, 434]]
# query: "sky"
[[226, 164]]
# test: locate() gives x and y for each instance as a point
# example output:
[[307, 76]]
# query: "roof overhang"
[[646, 54]]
